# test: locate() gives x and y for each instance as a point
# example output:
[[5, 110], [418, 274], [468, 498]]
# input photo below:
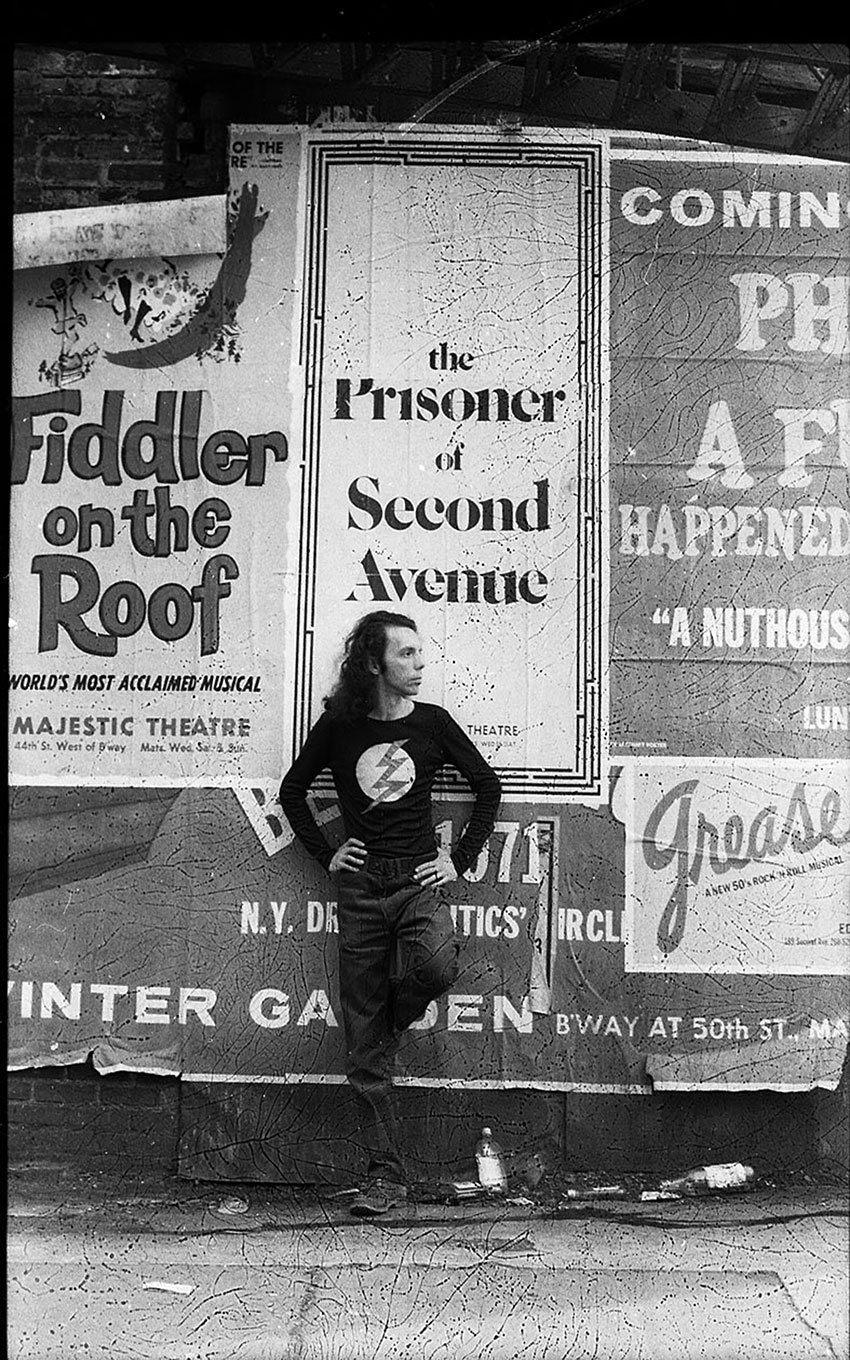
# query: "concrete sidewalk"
[[101, 1265]]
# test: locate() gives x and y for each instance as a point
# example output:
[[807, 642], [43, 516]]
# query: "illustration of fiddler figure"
[[71, 364], [170, 315]]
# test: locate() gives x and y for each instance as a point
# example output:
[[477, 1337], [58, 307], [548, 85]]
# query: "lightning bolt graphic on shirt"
[[385, 783]]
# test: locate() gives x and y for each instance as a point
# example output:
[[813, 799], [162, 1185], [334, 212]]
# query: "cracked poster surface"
[[150, 475], [730, 453], [424, 322], [454, 416]]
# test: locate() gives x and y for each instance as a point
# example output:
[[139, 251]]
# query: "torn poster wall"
[[188, 947], [423, 317]]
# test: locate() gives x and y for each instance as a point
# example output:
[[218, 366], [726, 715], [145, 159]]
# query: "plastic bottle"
[[597, 1192], [704, 1179], [491, 1167]]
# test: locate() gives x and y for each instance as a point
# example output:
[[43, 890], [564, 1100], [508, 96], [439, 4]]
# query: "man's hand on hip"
[[435, 872], [351, 855]]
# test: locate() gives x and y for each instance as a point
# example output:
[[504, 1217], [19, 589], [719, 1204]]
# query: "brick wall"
[[75, 1115], [832, 1110], [91, 129]]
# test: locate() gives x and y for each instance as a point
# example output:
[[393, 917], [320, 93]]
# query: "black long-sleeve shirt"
[[383, 773]]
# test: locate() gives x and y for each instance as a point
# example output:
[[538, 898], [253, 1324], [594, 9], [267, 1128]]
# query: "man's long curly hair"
[[354, 692]]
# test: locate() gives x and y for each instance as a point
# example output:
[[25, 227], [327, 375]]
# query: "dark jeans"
[[397, 952]]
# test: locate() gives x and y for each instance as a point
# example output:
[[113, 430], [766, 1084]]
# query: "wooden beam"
[[438, 68], [828, 105], [629, 80], [643, 73], [262, 57], [361, 62], [737, 87], [535, 74], [546, 69], [655, 73], [451, 61]]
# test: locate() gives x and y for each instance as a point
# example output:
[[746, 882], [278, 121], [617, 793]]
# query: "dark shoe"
[[378, 1197]]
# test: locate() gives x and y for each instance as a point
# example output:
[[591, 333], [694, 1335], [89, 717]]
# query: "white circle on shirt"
[[385, 772]]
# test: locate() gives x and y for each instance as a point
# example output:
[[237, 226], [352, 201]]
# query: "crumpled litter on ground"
[[168, 1287], [233, 1204]]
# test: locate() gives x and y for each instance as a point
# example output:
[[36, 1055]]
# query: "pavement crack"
[[295, 1348], [800, 1315]]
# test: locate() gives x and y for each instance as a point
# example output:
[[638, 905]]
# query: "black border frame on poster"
[[586, 780]]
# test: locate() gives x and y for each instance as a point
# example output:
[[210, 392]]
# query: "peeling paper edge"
[[100, 1060], [785, 1087]]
